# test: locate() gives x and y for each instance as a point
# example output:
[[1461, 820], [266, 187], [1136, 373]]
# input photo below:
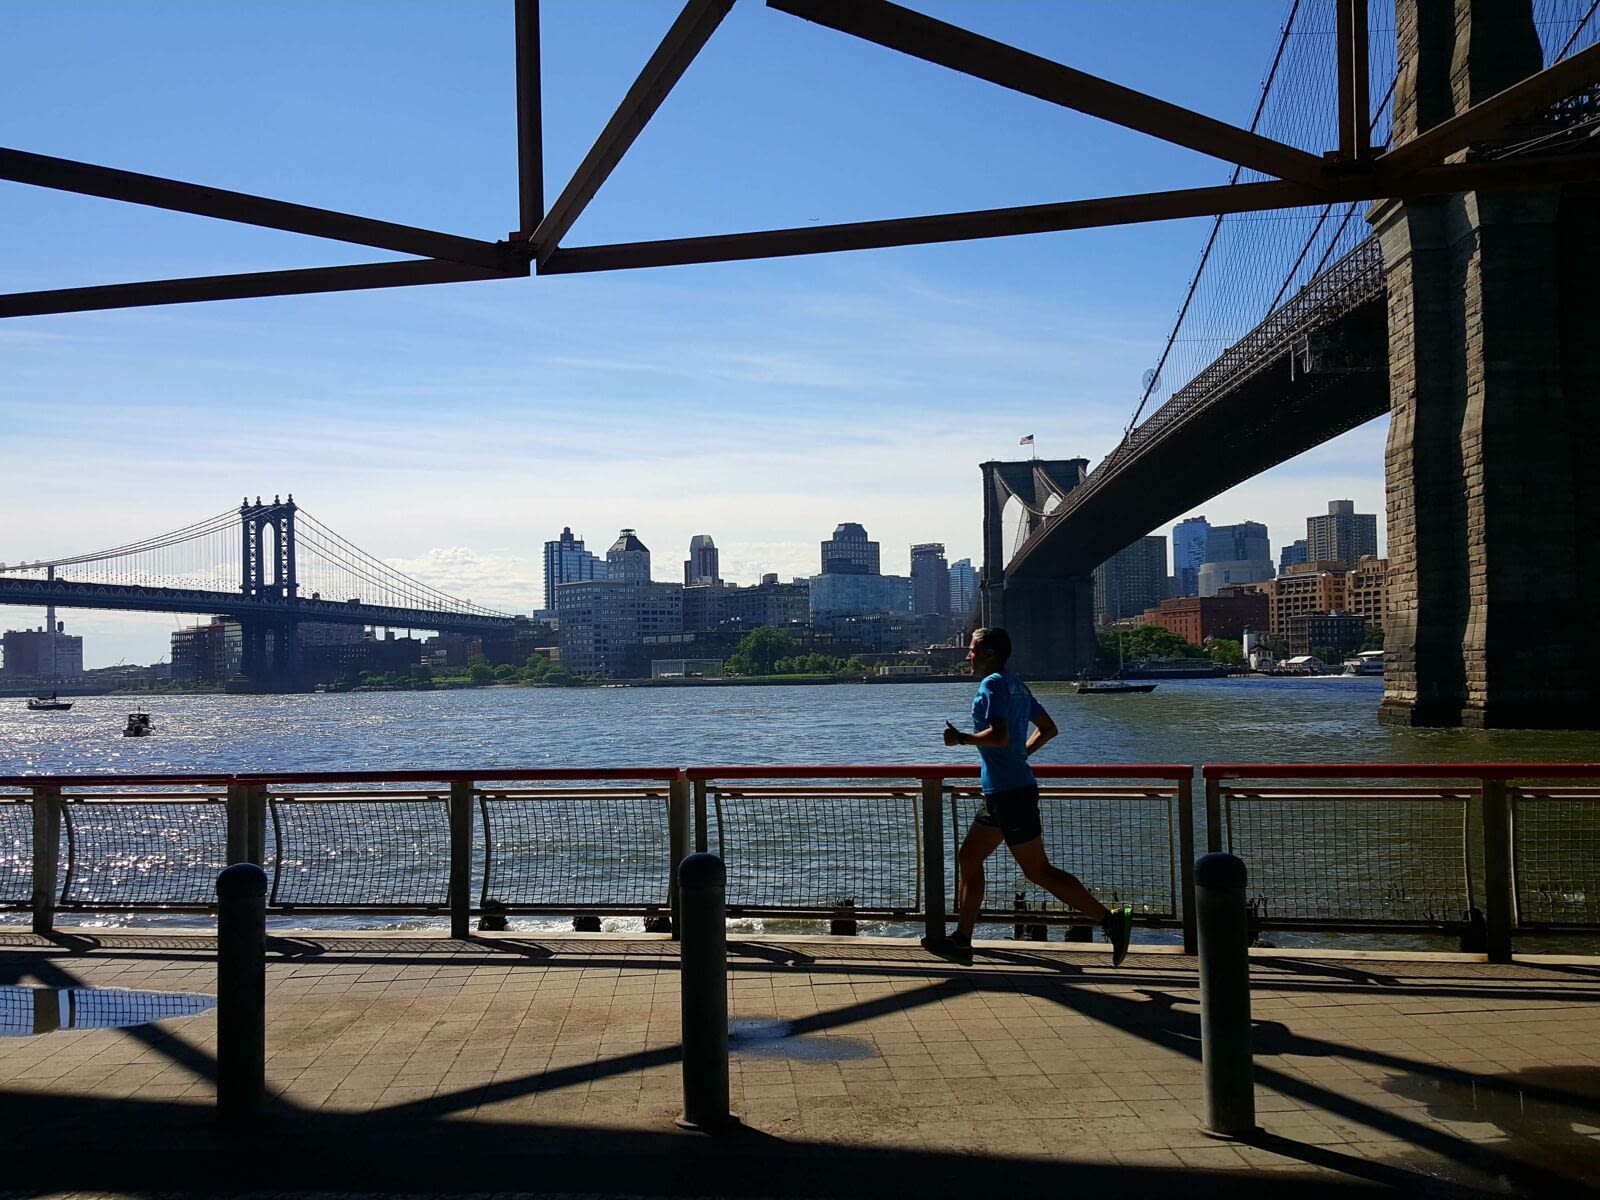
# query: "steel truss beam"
[[1410, 171], [961, 50], [239, 287], [1075, 214]]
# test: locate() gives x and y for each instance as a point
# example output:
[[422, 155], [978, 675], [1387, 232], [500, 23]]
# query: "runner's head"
[[989, 651]]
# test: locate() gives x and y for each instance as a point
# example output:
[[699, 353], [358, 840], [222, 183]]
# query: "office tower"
[[1131, 580], [702, 566], [1244, 542], [1344, 535], [628, 559], [963, 588], [1188, 552], [566, 561], [930, 580], [1292, 555], [849, 552]]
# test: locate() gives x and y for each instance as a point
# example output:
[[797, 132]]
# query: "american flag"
[[1025, 441]]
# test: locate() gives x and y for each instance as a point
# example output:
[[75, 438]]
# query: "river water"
[[1329, 719]]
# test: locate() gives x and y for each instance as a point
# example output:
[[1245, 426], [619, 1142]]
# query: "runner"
[[1001, 713]]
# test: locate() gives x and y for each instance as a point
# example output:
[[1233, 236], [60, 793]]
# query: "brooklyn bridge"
[[1412, 226]]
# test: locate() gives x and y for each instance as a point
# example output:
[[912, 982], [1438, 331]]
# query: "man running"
[[1001, 713]]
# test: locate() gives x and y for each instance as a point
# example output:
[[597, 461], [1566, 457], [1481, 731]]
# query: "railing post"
[[1499, 888], [1191, 943], [238, 817], [461, 791], [241, 992], [1224, 939], [933, 896], [679, 802], [702, 832], [46, 857], [255, 825], [703, 983], [1213, 815]]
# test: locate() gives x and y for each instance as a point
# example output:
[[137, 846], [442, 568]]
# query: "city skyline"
[[439, 427]]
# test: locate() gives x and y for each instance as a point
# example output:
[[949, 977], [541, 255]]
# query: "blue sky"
[[453, 429]]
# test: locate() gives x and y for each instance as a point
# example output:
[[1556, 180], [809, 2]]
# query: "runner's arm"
[[1043, 730], [996, 736]]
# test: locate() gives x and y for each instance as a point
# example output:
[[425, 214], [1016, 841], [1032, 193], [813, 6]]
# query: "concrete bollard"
[[1224, 939], [241, 993], [702, 884]]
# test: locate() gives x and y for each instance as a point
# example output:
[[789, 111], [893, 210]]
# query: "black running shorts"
[[1015, 813]]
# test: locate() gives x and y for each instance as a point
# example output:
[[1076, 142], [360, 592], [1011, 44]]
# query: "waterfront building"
[[930, 580], [602, 618], [1292, 555], [768, 604], [703, 605], [849, 551], [1188, 552], [701, 566], [1197, 618], [838, 594], [628, 559], [211, 653], [348, 661], [963, 589], [329, 633], [566, 561], [1366, 590], [1340, 632], [1131, 581], [1343, 535], [48, 652]]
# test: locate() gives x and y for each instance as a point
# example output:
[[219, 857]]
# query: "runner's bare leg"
[[1063, 885], [981, 841]]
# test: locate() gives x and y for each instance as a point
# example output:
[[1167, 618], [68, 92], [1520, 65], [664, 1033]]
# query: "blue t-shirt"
[[1004, 696]]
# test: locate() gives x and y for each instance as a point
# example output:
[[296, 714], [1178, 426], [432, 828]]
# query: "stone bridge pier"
[[1493, 495], [1050, 616]]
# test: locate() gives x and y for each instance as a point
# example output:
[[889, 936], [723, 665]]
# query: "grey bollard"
[[1224, 940], [702, 883], [241, 992]]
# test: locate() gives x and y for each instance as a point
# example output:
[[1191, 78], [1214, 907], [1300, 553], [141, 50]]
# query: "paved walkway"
[[518, 1065]]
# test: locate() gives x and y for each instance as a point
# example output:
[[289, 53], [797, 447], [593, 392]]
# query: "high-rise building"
[[701, 566], [1344, 535], [211, 653], [1131, 580], [1244, 542], [930, 580], [1292, 555], [628, 559], [1188, 552], [602, 618], [849, 552], [1235, 554], [566, 561], [48, 652], [963, 588]]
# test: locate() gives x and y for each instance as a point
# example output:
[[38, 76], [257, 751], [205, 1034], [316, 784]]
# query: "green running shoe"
[[953, 949], [1118, 924]]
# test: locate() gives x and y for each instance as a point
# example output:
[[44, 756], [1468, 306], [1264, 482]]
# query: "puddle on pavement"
[[25, 1011], [766, 1037], [1550, 1115]]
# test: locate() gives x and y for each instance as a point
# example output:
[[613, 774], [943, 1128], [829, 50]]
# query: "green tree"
[[1327, 655], [1143, 641], [480, 673], [758, 652], [1373, 639], [505, 672], [1225, 651]]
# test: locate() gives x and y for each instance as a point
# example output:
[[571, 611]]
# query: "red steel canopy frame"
[[1350, 172]]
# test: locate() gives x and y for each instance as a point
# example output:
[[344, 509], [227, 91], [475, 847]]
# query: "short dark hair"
[[996, 641]]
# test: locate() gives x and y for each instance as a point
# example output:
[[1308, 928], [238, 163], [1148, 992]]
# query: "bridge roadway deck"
[[523, 1064]]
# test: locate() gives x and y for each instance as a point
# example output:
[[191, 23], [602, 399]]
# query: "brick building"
[[1196, 618]]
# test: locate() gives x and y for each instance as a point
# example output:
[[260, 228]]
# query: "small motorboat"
[[1109, 687], [138, 725], [48, 704]]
